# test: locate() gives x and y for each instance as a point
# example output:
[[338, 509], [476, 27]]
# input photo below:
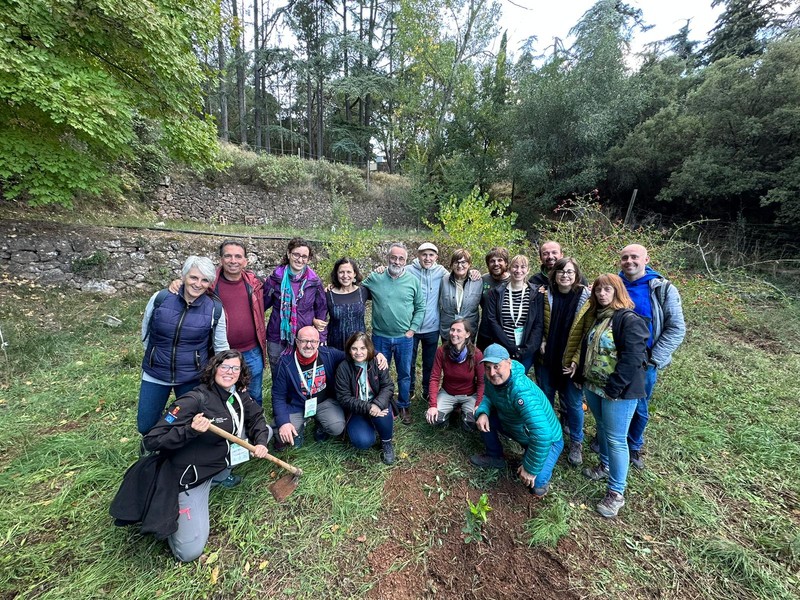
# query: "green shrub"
[[279, 171], [476, 223], [337, 177]]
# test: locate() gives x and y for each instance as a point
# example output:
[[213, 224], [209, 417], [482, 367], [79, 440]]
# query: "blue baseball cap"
[[495, 353]]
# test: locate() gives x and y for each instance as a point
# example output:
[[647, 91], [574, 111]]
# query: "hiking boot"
[[320, 435], [610, 505], [594, 445], [405, 416], [484, 461], [597, 473], [637, 460], [575, 454], [540, 491], [231, 481], [388, 452]]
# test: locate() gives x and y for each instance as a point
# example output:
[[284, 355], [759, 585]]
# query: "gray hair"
[[400, 245], [202, 264]]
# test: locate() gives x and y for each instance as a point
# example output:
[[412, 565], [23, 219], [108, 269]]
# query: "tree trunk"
[[222, 126], [240, 77], [256, 82]]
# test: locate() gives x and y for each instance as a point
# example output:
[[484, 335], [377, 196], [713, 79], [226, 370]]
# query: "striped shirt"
[[519, 300]]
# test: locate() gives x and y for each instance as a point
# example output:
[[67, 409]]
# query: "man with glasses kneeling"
[[304, 387]]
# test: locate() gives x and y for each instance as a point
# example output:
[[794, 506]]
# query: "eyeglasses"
[[229, 368], [308, 342], [298, 256], [567, 272], [461, 262], [397, 259]]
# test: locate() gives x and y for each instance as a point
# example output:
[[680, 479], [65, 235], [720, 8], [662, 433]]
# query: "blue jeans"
[[361, 430], [255, 362], [401, 349], [494, 448], [571, 399], [642, 414], [153, 399], [526, 362], [613, 418], [430, 341]]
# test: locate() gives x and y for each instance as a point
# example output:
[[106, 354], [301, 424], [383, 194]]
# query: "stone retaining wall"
[[109, 259], [183, 198]]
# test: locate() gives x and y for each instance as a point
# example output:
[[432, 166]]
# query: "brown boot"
[[405, 416]]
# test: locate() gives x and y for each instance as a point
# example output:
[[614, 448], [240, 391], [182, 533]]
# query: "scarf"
[[602, 323], [305, 362], [456, 356], [289, 303]]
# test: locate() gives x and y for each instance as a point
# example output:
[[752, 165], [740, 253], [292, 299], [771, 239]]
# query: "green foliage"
[[75, 74], [476, 516], [476, 223], [550, 524], [94, 264], [362, 245]]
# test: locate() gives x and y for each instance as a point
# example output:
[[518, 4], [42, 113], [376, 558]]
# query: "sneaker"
[[388, 452], [637, 460], [484, 461], [596, 473], [540, 491], [594, 445], [231, 481], [575, 454], [610, 505]]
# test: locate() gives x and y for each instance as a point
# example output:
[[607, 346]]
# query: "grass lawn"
[[714, 515]]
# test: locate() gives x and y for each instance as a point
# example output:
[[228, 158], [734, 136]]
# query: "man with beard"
[[549, 253], [398, 308], [497, 262]]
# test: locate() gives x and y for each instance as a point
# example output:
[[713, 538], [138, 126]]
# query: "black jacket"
[[630, 333], [196, 457], [534, 326], [347, 387]]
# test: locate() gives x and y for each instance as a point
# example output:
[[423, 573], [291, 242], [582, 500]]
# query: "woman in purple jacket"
[[296, 295]]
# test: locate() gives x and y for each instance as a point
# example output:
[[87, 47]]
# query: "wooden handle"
[[247, 445]]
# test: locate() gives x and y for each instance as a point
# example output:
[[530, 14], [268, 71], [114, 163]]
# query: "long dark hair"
[[210, 370], [470, 343], [335, 272]]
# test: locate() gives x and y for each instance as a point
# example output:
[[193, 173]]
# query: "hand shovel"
[[282, 488]]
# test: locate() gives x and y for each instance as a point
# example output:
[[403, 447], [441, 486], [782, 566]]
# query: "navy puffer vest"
[[181, 338]]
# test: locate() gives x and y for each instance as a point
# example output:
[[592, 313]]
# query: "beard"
[[395, 270]]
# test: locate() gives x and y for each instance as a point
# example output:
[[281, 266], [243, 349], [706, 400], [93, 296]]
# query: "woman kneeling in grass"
[[365, 392], [612, 369]]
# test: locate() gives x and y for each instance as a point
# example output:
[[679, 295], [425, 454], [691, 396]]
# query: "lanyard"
[[238, 420], [305, 387], [363, 391], [518, 318]]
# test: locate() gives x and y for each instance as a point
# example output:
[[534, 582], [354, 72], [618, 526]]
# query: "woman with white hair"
[[179, 333]]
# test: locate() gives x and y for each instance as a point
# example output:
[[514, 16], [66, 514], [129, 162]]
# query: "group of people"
[[208, 339]]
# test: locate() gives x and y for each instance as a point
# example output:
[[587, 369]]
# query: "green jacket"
[[526, 415]]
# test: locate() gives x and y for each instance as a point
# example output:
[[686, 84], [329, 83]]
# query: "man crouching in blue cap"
[[514, 406]]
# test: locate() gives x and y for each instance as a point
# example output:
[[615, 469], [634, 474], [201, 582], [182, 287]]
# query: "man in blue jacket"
[[658, 301], [304, 387], [514, 406]]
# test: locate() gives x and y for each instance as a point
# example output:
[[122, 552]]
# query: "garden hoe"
[[282, 488]]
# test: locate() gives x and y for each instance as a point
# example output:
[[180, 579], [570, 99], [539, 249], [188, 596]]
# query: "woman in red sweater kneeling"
[[456, 378]]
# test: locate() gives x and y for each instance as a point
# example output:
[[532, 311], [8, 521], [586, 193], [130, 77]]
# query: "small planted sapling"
[[476, 516]]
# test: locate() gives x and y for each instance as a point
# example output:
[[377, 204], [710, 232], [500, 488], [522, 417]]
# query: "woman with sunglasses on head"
[[297, 298], [565, 306], [612, 367], [193, 459]]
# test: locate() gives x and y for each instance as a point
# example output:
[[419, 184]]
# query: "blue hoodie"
[[639, 291]]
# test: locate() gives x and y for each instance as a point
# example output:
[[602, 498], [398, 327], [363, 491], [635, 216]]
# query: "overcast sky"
[[548, 19]]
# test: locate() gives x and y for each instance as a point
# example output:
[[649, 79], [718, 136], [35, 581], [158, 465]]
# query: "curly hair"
[[295, 243], [357, 278], [210, 370]]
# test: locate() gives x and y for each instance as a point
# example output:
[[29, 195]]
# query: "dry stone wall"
[[184, 198], [110, 259]]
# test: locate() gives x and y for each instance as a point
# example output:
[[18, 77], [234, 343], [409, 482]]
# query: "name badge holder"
[[518, 331], [311, 408], [237, 454]]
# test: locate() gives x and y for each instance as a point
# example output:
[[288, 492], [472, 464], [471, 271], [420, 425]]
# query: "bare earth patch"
[[426, 555]]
